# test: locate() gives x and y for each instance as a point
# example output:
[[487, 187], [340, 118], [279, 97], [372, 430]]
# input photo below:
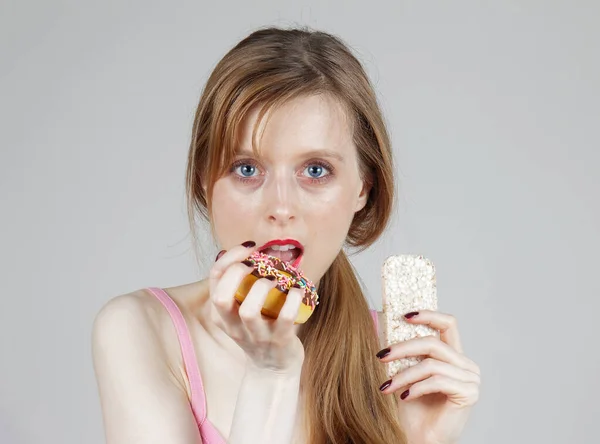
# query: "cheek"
[[334, 211], [233, 216], [329, 217], [334, 205]]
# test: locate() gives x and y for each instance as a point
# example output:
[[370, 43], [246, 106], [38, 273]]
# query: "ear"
[[363, 196]]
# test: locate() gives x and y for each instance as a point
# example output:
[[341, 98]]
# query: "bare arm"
[[267, 402], [140, 398], [266, 407]]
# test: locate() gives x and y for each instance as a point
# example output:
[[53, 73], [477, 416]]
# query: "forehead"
[[317, 122]]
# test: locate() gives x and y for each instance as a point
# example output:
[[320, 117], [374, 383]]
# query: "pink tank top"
[[208, 432]]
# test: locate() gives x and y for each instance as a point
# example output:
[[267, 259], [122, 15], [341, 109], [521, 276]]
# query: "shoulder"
[[138, 325], [126, 315], [136, 319], [127, 322], [130, 355]]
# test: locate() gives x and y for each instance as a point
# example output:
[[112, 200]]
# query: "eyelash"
[[319, 180]]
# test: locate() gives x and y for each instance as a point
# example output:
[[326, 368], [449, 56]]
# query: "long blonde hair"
[[341, 374]]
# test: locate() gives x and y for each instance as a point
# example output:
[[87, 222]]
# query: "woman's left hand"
[[434, 396]]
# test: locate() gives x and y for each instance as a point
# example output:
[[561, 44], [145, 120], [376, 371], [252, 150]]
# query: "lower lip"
[[296, 263]]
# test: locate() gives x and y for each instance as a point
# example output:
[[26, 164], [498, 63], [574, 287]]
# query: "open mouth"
[[287, 252]]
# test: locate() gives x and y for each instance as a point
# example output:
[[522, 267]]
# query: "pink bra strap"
[[198, 401]]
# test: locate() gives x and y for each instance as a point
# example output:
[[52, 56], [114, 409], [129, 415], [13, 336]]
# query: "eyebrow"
[[312, 153]]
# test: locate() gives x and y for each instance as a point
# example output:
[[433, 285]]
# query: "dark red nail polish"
[[383, 353], [404, 394], [221, 253], [411, 314], [385, 385], [247, 263], [271, 278], [249, 244]]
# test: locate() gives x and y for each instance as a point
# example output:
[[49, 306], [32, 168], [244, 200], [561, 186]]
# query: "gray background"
[[493, 108]]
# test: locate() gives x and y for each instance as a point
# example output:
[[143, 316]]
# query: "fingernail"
[[249, 244], [404, 394], [385, 385], [411, 314], [221, 253], [383, 353], [271, 278], [247, 263]]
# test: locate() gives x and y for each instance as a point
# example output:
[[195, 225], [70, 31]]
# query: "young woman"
[[288, 147]]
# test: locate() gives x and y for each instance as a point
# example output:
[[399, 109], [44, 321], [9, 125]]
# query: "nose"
[[281, 199]]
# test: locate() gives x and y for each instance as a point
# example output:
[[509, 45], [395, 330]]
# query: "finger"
[[429, 346], [223, 294], [250, 311], [463, 394], [231, 256], [283, 327], [446, 324], [226, 305], [425, 369]]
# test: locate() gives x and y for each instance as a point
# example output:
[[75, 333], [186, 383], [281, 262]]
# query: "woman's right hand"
[[269, 344]]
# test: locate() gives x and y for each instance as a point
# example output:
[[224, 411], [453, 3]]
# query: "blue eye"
[[246, 170], [315, 170]]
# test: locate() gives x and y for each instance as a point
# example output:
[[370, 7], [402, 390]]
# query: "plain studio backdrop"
[[494, 113]]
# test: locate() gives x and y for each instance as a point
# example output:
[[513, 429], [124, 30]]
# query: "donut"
[[287, 276]]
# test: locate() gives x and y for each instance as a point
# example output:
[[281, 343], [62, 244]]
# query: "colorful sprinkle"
[[286, 276]]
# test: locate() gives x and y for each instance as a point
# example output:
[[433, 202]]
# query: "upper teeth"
[[283, 247]]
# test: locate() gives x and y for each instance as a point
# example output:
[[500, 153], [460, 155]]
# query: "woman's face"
[[305, 186]]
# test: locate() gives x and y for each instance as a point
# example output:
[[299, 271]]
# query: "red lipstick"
[[293, 242]]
